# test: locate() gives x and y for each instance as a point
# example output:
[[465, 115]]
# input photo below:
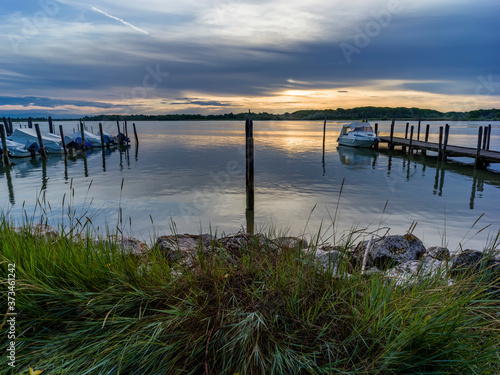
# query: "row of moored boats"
[[24, 142]]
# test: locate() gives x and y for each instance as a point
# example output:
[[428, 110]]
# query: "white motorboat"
[[28, 137], [358, 134], [16, 150]]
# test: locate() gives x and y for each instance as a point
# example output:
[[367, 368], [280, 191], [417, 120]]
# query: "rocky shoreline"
[[402, 259]]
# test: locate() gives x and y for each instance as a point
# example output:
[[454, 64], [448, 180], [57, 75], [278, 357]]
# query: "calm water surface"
[[193, 174]]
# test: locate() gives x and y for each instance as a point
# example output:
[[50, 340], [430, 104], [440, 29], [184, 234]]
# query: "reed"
[[88, 308]]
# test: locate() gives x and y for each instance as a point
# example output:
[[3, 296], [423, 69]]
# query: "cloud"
[[32, 101], [119, 19]]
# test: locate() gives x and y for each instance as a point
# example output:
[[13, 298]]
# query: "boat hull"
[[353, 142]]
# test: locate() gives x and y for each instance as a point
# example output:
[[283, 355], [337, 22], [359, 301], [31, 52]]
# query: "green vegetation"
[[85, 307], [370, 113]]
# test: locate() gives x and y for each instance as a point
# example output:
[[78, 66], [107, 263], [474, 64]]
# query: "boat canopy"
[[357, 127]]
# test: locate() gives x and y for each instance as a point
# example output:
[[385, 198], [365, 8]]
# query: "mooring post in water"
[[135, 133], [51, 126], [445, 143], [30, 123], [11, 127], [477, 162], [250, 213], [391, 144], [82, 131], [418, 129], [102, 136], [126, 128], [406, 130], [485, 137], [489, 136], [427, 128], [4, 145], [118, 125], [411, 140], [324, 133], [6, 124], [40, 142], [440, 148], [63, 141], [375, 146]]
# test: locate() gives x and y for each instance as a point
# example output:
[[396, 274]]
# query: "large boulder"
[[408, 274], [474, 262], [238, 243], [183, 246], [129, 245], [389, 251], [437, 252]]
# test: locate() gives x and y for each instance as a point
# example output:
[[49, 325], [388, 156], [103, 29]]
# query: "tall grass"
[[87, 308]]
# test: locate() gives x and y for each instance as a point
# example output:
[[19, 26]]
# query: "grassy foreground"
[[85, 308]]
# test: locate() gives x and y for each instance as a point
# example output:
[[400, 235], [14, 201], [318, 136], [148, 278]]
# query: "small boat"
[[16, 150], [28, 137], [358, 134], [94, 140]]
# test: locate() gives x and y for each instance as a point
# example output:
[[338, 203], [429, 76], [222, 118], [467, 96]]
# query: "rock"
[[437, 252], [412, 272], [178, 247], [390, 251], [290, 243], [238, 243], [41, 230], [129, 245], [473, 261], [328, 259]]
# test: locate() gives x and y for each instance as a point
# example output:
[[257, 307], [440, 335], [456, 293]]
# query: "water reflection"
[[357, 157]]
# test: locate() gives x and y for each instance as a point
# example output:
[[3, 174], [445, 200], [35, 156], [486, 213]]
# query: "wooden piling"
[[126, 128], [375, 146], [5, 150], [376, 128], [324, 133], [411, 140], [440, 149], [30, 123], [391, 144], [477, 162], [418, 129], [11, 127], [102, 135], [489, 136], [406, 130], [40, 141], [135, 133], [6, 124], [51, 126], [82, 131], [63, 141], [427, 128], [445, 142], [249, 175], [118, 126], [485, 137]]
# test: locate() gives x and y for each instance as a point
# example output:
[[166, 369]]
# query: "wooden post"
[[118, 126], [40, 141], [250, 213], [375, 146], [418, 129], [11, 128], [391, 144], [30, 123], [478, 149], [102, 135], [6, 124], [135, 133], [51, 126], [126, 128], [5, 150], [489, 136], [445, 143], [411, 140], [63, 141], [485, 137], [82, 130], [427, 128], [406, 130], [324, 132], [440, 152]]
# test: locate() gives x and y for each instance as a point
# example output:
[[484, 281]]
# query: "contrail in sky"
[[119, 19]]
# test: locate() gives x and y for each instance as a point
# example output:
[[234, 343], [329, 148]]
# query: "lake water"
[[193, 174]]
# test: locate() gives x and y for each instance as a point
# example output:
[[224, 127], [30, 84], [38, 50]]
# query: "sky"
[[68, 57]]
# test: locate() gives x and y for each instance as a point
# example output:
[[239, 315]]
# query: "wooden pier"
[[481, 154]]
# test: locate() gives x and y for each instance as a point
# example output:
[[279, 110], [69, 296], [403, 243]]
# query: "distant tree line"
[[369, 113]]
